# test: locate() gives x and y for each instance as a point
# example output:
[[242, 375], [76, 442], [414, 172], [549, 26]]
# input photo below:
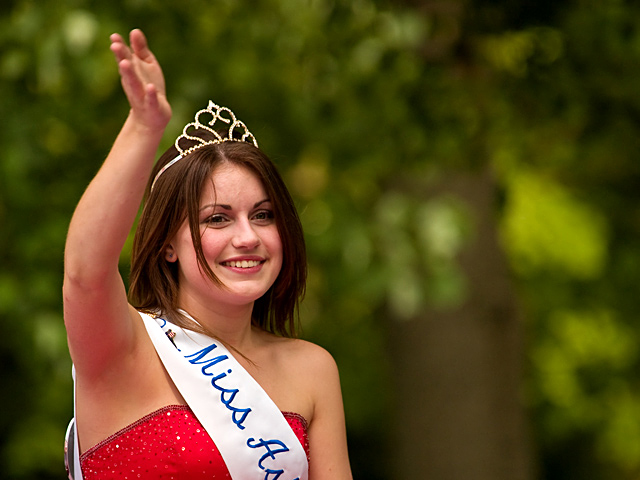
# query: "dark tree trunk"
[[459, 414]]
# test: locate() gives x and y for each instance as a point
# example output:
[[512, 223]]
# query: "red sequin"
[[168, 444]]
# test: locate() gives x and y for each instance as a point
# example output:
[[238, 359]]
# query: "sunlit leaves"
[[546, 228], [512, 51], [580, 370]]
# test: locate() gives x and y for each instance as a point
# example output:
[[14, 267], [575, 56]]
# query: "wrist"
[[147, 129]]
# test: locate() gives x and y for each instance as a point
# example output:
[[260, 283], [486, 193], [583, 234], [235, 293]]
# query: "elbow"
[[81, 278], [88, 270]]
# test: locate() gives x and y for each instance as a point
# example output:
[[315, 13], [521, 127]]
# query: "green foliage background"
[[350, 98]]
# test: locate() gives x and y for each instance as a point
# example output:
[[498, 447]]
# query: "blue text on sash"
[[227, 395]]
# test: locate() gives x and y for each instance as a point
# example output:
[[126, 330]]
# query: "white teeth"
[[243, 263]]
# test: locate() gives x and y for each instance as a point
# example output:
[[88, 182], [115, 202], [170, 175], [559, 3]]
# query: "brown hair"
[[176, 197]]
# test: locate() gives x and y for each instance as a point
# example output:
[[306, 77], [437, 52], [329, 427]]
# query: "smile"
[[242, 263]]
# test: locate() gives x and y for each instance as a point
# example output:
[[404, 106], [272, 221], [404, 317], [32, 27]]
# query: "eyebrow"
[[228, 207]]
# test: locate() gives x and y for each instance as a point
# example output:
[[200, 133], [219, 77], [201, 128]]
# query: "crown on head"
[[222, 114]]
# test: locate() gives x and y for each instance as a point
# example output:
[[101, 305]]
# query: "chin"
[[245, 297]]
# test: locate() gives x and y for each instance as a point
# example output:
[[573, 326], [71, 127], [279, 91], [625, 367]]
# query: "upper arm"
[[100, 323], [327, 430]]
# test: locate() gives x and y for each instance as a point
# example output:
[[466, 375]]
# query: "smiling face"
[[172, 214], [239, 238]]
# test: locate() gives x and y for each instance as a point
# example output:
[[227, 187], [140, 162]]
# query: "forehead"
[[230, 181]]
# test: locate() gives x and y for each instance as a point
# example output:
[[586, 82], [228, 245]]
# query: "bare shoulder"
[[306, 357], [305, 366], [317, 372], [314, 371], [313, 384]]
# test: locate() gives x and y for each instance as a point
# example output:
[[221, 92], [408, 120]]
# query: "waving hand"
[[142, 80]]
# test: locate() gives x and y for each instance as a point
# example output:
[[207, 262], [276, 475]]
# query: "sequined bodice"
[[168, 444]]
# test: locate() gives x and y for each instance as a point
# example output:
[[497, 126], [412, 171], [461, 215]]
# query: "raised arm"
[[96, 311]]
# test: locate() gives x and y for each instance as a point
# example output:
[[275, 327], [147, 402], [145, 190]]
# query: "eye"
[[216, 220], [264, 216]]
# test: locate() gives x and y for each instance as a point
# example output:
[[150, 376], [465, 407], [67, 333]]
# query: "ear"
[[170, 254]]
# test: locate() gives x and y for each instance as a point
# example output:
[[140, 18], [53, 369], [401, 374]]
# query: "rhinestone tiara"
[[222, 114]]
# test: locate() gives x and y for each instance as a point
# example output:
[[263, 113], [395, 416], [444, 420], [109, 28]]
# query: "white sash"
[[252, 435], [71, 450]]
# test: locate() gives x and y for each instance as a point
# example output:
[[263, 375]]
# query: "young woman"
[[194, 374]]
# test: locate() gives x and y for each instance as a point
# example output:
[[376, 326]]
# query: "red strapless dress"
[[168, 444]]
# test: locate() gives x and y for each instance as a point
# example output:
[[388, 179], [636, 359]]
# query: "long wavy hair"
[[175, 197]]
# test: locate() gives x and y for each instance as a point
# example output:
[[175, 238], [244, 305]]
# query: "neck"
[[232, 325]]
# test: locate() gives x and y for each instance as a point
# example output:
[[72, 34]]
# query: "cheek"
[[275, 247], [186, 249], [272, 239], [183, 248], [213, 243]]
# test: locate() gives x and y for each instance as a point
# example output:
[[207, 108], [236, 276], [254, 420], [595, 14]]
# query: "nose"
[[245, 235]]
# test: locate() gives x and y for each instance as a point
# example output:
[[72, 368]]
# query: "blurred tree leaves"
[[547, 228], [569, 165]]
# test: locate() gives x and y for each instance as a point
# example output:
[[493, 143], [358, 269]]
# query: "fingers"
[[151, 98], [140, 95], [141, 77], [119, 48], [131, 82], [139, 44], [116, 37]]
